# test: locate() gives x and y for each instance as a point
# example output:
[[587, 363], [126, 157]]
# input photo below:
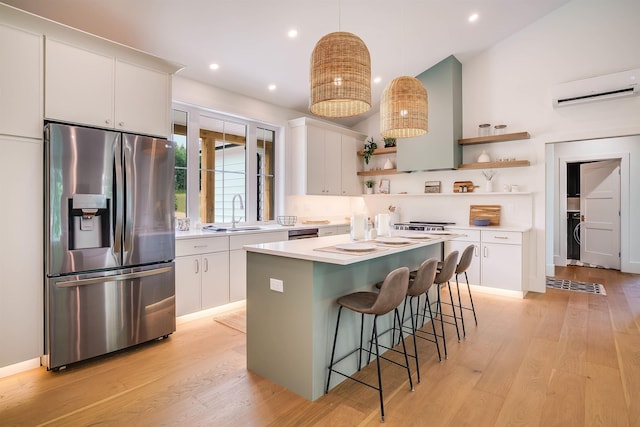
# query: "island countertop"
[[322, 249]]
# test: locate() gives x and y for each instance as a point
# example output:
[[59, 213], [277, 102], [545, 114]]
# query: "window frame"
[[251, 187]]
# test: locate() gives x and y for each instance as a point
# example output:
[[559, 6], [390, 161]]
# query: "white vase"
[[388, 164], [489, 186], [484, 157], [368, 190]]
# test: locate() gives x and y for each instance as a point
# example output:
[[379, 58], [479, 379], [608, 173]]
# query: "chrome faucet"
[[233, 209]]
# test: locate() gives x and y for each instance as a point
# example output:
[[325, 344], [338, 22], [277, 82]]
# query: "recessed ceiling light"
[[272, 87], [214, 66], [293, 33], [473, 17], [377, 80]]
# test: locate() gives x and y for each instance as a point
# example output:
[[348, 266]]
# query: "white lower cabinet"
[[499, 258], [202, 273], [333, 230]]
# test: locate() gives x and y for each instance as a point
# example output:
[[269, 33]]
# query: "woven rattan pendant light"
[[340, 76], [404, 109]]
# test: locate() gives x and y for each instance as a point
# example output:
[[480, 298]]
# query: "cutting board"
[[490, 212], [316, 221], [458, 186]]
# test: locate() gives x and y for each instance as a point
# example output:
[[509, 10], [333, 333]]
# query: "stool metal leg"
[[413, 331], [464, 331], [473, 308], [333, 351], [453, 309], [444, 338], [433, 328], [406, 357], [375, 336]]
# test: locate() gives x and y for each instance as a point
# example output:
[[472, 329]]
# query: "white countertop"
[[305, 249], [264, 228]]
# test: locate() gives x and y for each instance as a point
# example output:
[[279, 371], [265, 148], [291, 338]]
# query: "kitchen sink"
[[245, 228]]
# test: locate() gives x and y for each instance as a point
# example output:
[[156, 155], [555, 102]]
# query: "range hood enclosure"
[[437, 149]]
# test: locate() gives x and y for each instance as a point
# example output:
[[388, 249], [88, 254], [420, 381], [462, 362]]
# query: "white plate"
[[393, 240], [356, 247], [417, 236]]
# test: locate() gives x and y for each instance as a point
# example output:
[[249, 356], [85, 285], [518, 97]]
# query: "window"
[[179, 136], [214, 182], [265, 173]]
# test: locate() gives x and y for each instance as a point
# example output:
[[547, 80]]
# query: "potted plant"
[[389, 142], [369, 148], [369, 186]]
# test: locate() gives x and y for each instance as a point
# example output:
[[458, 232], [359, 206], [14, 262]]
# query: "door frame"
[[559, 184]]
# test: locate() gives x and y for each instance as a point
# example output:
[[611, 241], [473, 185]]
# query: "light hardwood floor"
[[561, 358]]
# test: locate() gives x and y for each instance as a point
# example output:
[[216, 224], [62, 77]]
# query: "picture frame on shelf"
[[432, 186], [384, 186]]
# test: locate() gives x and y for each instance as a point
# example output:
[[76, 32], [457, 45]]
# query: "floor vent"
[[570, 285]]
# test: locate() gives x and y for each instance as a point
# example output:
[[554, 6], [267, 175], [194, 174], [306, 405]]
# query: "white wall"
[[511, 84]]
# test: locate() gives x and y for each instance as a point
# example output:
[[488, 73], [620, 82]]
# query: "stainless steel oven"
[[305, 233]]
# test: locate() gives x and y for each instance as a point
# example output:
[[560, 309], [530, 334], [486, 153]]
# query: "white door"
[[600, 213]]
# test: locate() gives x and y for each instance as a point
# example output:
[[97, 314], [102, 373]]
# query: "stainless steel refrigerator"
[[109, 242]]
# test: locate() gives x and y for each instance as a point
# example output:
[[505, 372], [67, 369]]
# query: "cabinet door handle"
[[121, 124], [486, 251], [206, 265], [107, 122], [197, 267], [475, 250]]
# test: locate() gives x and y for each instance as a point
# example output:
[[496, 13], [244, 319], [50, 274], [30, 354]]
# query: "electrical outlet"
[[276, 285]]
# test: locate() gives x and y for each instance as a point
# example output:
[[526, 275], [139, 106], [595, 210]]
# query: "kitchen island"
[[292, 288]]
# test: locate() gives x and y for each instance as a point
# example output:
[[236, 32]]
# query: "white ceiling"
[[248, 38]]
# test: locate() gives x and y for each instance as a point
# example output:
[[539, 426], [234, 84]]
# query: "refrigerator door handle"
[[118, 190], [96, 280], [128, 194]]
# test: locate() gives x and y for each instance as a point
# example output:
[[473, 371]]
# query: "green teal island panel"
[[290, 333]]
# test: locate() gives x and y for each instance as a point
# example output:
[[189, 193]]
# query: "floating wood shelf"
[[494, 138], [495, 165], [379, 172], [384, 150]]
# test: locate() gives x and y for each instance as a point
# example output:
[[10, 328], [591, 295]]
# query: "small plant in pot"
[[369, 148], [369, 186], [389, 142]]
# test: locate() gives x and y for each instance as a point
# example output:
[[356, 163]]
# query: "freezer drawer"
[[91, 315]]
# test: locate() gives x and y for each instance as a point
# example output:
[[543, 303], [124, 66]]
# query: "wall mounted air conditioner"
[[597, 88]]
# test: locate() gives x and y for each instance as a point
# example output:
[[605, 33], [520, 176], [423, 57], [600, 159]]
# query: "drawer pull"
[[200, 246], [502, 237]]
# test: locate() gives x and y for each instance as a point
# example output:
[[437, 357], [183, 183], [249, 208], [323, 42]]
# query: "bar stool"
[[444, 276], [419, 284], [392, 292], [463, 266]]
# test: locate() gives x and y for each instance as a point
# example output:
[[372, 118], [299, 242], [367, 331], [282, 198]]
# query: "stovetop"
[[422, 225]]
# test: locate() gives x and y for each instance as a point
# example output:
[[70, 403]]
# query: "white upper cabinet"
[[96, 89], [20, 83], [350, 163], [324, 159], [79, 85], [142, 99]]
